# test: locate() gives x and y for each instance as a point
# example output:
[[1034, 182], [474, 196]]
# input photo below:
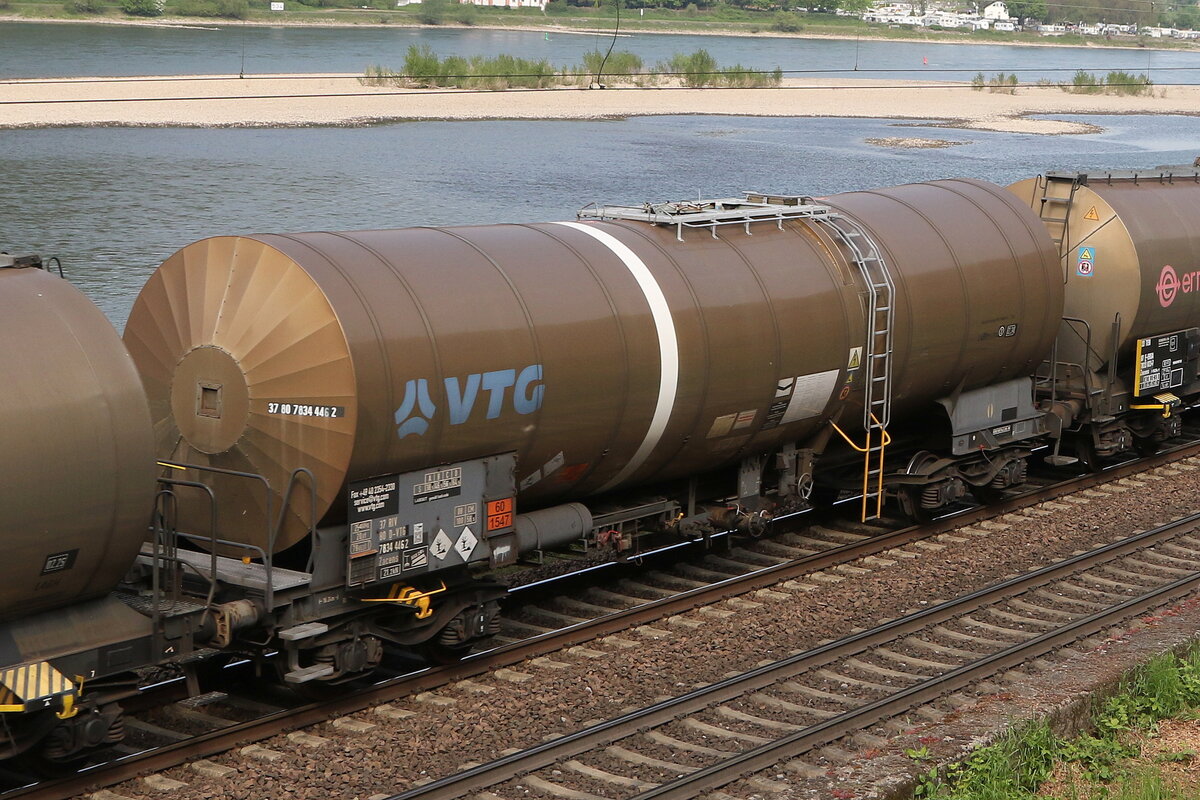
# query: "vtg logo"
[[461, 396]]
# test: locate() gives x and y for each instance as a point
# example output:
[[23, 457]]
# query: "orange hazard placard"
[[500, 514]]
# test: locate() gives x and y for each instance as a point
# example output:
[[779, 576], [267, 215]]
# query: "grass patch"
[[1117, 82], [1097, 765], [1000, 83], [425, 69]]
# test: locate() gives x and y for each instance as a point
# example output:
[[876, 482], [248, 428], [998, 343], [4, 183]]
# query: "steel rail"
[[691, 785], [225, 739], [762, 757]]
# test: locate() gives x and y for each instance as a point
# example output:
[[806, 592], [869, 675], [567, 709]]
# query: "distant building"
[[995, 11]]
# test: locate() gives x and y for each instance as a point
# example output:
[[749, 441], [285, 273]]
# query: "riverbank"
[[814, 27], [306, 100]]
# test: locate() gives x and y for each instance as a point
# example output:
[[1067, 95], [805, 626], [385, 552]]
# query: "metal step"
[[305, 631], [308, 673]]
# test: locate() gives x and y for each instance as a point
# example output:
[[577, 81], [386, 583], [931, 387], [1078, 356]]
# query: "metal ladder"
[[1058, 193], [877, 363]]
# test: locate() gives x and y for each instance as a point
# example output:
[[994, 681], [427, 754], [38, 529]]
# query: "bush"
[[1083, 83], [978, 82], [431, 12], [787, 22], [1117, 82], [75, 6], [1004, 84], [227, 9], [464, 14], [422, 68], [422, 65], [620, 64], [142, 8], [694, 70], [1121, 82], [691, 10]]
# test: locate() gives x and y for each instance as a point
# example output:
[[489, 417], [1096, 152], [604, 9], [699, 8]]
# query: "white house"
[[1004, 25], [996, 10]]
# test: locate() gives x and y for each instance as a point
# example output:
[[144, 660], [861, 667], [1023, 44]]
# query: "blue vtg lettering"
[[417, 407]]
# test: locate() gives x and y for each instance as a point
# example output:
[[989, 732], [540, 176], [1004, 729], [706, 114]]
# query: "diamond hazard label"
[[440, 546], [466, 543]]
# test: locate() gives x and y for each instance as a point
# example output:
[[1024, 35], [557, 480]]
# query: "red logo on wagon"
[[1168, 286]]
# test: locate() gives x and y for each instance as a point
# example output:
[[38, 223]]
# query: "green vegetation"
[[1118, 82], [1004, 84], [787, 22], [699, 69], [142, 8], [1016, 766], [228, 9], [424, 69]]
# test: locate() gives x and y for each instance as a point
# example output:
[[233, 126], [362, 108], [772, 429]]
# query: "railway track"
[[703, 740], [246, 727]]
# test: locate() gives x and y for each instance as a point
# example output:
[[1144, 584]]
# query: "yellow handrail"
[[885, 440]]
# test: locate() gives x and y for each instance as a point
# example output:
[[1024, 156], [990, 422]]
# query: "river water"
[[114, 202], [59, 50]]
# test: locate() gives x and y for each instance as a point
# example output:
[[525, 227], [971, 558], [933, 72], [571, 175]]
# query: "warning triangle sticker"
[[855, 357], [1092, 215]]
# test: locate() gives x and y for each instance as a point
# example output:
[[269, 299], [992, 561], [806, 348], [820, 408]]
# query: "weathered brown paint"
[[1141, 226], [352, 318], [76, 454]]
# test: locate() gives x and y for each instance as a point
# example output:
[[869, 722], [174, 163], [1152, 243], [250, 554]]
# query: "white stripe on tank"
[[668, 346]]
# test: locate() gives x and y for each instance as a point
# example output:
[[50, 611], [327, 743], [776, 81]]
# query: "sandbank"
[[305, 100]]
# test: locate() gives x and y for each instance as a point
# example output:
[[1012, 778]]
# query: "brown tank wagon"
[[76, 454], [1129, 245], [605, 353], [1130, 251]]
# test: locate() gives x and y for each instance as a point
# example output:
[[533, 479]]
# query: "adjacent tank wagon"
[[72, 405], [1130, 262]]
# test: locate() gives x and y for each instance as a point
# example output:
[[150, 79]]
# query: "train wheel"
[[910, 503]]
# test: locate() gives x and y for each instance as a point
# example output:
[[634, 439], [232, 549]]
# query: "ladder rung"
[[1054, 219], [1056, 199]]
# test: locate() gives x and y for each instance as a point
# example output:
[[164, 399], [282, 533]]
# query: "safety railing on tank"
[[164, 548], [212, 542], [754, 207], [1050, 383]]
